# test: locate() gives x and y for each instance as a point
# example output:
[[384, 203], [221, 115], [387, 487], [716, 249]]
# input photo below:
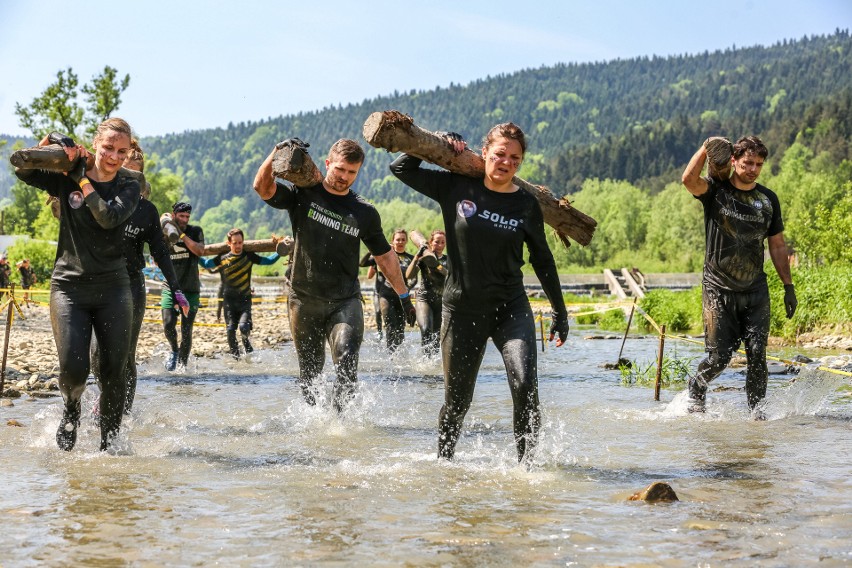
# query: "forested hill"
[[637, 119], [631, 119]]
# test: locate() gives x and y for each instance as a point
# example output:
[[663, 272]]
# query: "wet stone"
[[657, 492]]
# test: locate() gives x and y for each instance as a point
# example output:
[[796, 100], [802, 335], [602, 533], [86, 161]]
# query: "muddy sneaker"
[[171, 361], [66, 434], [696, 406]]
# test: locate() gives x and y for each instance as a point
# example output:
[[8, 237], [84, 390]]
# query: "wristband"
[[83, 182], [404, 296], [182, 235]]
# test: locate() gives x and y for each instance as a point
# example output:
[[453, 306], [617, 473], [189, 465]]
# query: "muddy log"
[[396, 132], [420, 241], [293, 164], [283, 246], [54, 159]]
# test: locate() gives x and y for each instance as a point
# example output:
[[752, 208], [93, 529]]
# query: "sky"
[[201, 64]]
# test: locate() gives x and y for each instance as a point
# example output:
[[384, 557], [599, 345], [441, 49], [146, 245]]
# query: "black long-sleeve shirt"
[[486, 232], [142, 227], [90, 235]]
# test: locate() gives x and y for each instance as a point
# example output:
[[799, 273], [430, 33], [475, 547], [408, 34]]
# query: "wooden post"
[[660, 363], [9, 316], [396, 132], [627, 330]]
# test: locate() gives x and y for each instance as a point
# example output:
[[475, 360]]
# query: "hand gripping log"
[[396, 132]]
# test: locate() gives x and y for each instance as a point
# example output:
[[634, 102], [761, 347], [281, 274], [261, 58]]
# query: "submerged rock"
[[657, 492], [618, 365]]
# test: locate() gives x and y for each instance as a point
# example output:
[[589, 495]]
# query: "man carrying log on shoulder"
[[739, 214], [235, 269], [185, 253], [329, 223]]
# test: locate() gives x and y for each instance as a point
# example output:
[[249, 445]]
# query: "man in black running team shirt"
[[739, 214], [329, 223]]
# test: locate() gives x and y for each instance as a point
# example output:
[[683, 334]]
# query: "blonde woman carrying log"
[[90, 288]]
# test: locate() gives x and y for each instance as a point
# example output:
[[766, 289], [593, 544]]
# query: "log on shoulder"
[[283, 246], [293, 164], [396, 132], [53, 158], [420, 241]]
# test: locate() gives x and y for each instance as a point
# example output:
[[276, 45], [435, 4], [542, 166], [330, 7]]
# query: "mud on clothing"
[[143, 227], [90, 288], [186, 263], [735, 296], [328, 230], [429, 303], [325, 296], [736, 223], [389, 306], [27, 277], [484, 293]]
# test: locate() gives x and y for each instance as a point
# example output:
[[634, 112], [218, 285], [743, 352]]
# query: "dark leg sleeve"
[[307, 328], [721, 338], [186, 323], [755, 332], [112, 322], [393, 324], [170, 327], [72, 332], [463, 340], [345, 335], [138, 292], [516, 341]]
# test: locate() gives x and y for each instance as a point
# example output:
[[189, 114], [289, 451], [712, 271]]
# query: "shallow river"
[[225, 465]]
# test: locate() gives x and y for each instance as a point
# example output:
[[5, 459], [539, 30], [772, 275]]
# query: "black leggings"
[[170, 316], [341, 323], [463, 339], [429, 319], [138, 293], [76, 310], [237, 316], [729, 318], [393, 321]]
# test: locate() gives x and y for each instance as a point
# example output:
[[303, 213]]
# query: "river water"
[[225, 465]]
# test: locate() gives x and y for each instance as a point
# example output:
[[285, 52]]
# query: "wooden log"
[[296, 166], [54, 159], [429, 258], [283, 246], [396, 132]]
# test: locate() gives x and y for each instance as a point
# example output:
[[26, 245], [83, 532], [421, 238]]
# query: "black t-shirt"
[[328, 231], [90, 234], [736, 222], [144, 227], [186, 263], [383, 287], [486, 232]]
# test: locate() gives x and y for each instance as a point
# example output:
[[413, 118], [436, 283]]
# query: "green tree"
[[55, 108], [103, 95]]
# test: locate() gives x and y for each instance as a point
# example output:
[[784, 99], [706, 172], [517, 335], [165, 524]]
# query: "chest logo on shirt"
[[466, 208], [75, 199], [499, 220], [331, 220]]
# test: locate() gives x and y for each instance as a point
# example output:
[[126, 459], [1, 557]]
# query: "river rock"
[[22, 385], [738, 362], [6, 401], [33, 379], [13, 422], [657, 492]]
